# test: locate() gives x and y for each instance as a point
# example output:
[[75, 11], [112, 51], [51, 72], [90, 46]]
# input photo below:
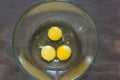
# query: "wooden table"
[[106, 14]]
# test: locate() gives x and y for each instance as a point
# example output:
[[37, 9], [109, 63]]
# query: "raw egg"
[[48, 53], [55, 33], [63, 52]]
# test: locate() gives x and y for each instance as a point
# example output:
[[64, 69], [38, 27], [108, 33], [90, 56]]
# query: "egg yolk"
[[63, 52], [54, 33], [48, 53]]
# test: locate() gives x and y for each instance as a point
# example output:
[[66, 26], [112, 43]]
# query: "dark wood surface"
[[106, 14]]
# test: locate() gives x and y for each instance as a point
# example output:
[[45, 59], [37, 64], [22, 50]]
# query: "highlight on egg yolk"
[[48, 53], [63, 52], [54, 33]]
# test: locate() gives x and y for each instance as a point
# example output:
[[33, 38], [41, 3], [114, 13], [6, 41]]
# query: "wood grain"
[[106, 14]]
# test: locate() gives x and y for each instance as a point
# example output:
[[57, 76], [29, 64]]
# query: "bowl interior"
[[79, 32]]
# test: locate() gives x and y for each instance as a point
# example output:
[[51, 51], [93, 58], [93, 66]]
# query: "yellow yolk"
[[54, 33], [63, 52], [48, 53]]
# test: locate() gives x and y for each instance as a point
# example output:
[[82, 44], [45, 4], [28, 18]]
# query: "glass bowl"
[[79, 32]]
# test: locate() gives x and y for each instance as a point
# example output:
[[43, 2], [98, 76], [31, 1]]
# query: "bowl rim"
[[81, 9]]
